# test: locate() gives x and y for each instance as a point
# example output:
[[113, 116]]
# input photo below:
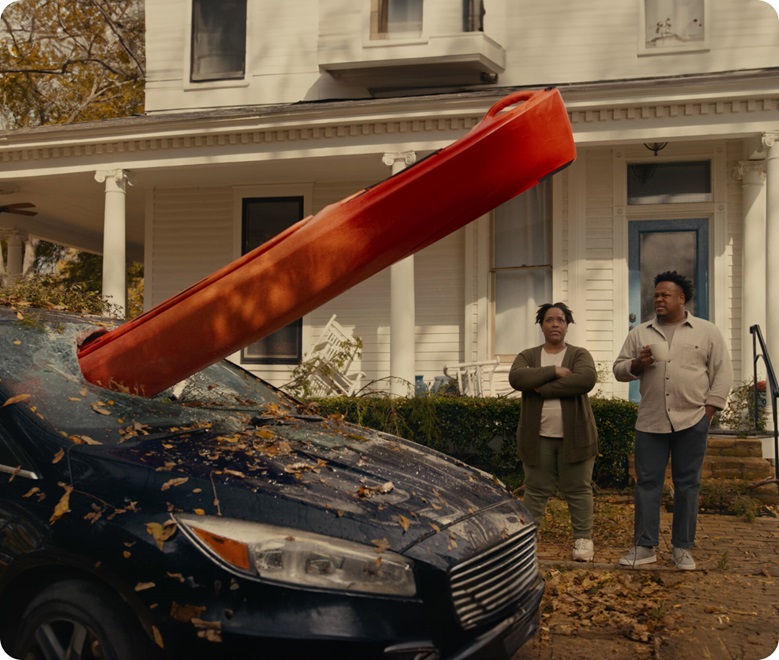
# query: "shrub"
[[481, 430]]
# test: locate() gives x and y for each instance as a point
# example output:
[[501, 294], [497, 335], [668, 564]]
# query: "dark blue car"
[[222, 519]]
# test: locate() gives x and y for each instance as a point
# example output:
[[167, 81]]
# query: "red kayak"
[[524, 137]]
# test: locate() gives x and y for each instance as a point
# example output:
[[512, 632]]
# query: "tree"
[[64, 61]]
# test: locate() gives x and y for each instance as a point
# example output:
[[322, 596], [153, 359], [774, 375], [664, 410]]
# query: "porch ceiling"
[[70, 206]]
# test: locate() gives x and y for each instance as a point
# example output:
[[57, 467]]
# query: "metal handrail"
[[773, 387]]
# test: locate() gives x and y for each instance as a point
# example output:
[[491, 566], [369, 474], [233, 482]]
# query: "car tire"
[[80, 619]]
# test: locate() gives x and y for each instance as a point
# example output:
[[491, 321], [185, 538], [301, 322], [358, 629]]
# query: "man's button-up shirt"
[[675, 393]]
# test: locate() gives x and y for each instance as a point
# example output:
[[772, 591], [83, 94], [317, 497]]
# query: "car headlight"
[[304, 559]]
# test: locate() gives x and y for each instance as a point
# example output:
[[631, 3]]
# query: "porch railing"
[[772, 388]]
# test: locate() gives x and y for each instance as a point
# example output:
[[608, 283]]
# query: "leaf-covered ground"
[[727, 609]]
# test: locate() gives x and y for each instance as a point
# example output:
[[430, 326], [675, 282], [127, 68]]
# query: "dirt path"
[[727, 609]]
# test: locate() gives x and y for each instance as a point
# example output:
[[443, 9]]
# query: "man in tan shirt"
[[679, 396]]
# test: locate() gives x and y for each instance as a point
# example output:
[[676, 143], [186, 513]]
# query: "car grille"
[[487, 583]]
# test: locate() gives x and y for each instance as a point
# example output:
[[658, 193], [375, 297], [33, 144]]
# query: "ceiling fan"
[[19, 208]]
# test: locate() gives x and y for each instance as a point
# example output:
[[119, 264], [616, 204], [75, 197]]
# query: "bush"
[[482, 431]]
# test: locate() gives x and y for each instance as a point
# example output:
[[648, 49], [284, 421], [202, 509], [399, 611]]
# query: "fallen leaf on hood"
[[31, 492], [185, 613], [297, 468], [174, 482], [83, 440], [405, 523], [157, 637], [99, 407], [15, 472], [15, 399], [161, 533], [233, 473], [381, 545], [143, 586], [63, 506], [208, 630]]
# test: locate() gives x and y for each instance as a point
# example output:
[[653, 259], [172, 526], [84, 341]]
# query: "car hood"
[[322, 475]]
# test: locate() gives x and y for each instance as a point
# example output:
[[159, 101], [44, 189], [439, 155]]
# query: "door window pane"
[[661, 252], [522, 260], [218, 39], [669, 183], [264, 218]]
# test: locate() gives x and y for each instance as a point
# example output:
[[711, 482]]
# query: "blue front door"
[[655, 246]]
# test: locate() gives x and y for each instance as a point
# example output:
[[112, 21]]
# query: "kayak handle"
[[511, 99]]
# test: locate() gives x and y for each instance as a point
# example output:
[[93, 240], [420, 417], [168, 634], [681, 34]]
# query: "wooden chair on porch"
[[481, 378], [333, 354]]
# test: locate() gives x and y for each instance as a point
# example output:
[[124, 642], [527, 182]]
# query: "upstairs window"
[[218, 39], [473, 15], [396, 18], [264, 218]]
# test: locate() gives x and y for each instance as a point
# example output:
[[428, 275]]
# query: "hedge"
[[482, 431]]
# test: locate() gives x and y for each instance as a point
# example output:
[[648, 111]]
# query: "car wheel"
[[79, 620]]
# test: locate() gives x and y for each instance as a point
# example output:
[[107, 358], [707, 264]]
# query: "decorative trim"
[[236, 137], [748, 169]]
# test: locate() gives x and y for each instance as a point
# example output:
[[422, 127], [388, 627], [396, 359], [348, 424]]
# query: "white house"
[[259, 113]]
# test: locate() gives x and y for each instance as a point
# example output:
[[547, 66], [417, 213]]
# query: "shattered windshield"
[[40, 369]]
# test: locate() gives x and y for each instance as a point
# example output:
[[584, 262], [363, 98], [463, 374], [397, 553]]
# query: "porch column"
[[771, 250], [15, 244], [402, 304], [114, 239], [751, 173]]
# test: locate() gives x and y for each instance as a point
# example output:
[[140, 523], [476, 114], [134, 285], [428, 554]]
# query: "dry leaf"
[[208, 630], [31, 492], [185, 613], [161, 533], [63, 506], [143, 586], [83, 440], [99, 407], [15, 399], [157, 637], [174, 482], [405, 523], [381, 545]]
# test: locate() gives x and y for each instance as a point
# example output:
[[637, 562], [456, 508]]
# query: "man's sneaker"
[[638, 555], [683, 559], [583, 550]]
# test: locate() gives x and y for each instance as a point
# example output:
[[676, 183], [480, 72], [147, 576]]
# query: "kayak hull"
[[523, 138]]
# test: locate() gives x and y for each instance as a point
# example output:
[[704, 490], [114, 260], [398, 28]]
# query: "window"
[[396, 18], [473, 15], [669, 183], [522, 266], [218, 39], [670, 26], [264, 218]]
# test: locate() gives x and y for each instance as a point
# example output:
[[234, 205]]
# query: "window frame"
[[696, 46], [198, 79], [543, 267], [297, 325]]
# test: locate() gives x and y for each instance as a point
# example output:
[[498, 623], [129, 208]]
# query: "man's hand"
[[562, 372], [644, 359]]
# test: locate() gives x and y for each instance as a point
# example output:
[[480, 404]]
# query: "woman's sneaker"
[[683, 559], [583, 550], [638, 556]]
